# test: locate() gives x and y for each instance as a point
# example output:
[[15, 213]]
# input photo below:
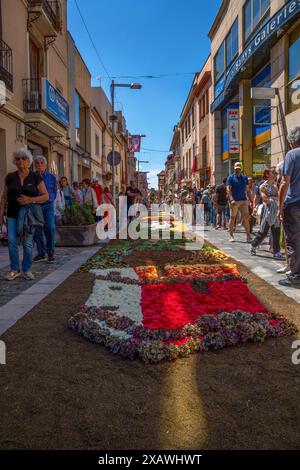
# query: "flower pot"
[[79, 235]]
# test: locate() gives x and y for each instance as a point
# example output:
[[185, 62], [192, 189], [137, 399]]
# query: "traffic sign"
[[117, 158]]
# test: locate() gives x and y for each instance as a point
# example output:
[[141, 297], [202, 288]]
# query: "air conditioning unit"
[[20, 130]]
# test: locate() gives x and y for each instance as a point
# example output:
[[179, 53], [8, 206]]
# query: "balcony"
[[32, 98], [45, 14], [6, 66], [45, 106]]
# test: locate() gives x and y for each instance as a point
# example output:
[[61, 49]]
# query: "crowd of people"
[[272, 204], [33, 202]]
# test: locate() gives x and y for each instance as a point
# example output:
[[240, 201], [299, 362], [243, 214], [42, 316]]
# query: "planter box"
[[81, 235]]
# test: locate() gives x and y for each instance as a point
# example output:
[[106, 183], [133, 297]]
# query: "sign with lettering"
[[233, 131], [54, 103], [266, 32]]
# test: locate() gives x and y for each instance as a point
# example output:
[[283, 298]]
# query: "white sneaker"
[[13, 275], [29, 276], [283, 270], [231, 238]]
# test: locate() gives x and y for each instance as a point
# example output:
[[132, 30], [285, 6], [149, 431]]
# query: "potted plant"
[[76, 227]]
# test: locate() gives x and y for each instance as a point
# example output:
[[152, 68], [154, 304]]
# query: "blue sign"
[[54, 103], [219, 87], [268, 31]]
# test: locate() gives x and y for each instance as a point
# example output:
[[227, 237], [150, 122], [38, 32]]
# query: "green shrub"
[[78, 215]]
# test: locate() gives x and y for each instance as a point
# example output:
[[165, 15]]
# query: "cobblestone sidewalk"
[[9, 290]]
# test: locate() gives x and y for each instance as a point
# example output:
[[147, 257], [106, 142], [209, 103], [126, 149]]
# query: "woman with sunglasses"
[[22, 187]]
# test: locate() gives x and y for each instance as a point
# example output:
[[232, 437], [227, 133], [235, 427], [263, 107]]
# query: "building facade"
[[255, 49], [80, 114], [191, 143], [161, 185], [34, 82]]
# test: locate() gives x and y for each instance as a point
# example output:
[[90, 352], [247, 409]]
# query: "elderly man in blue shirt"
[[289, 208], [48, 232]]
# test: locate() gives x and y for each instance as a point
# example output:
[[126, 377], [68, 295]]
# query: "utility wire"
[[92, 42], [157, 76], [155, 150]]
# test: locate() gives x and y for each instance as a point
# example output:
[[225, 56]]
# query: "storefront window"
[[254, 12], [261, 159], [294, 71], [262, 108]]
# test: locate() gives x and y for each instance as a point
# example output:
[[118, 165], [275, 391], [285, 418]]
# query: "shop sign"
[[282, 17], [54, 103], [233, 131]]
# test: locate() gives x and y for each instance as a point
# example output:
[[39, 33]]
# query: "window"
[[189, 124], [97, 145], [261, 108], [219, 65], [186, 129], [226, 54], [254, 11], [232, 43], [207, 101], [193, 116], [204, 152], [60, 165], [293, 87]]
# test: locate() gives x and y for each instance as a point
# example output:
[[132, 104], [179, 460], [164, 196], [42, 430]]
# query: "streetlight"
[[132, 86]]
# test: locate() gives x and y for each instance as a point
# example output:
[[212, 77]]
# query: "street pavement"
[[263, 265]]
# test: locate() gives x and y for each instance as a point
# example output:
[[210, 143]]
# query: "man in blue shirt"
[[289, 208], [238, 194], [48, 212]]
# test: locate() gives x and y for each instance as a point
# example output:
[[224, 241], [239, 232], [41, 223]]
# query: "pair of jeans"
[[263, 233], [13, 249], [291, 225], [47, 232], [221, 219]]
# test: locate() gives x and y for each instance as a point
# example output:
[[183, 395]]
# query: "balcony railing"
[[51, 8], [32, 101], [6, 65]]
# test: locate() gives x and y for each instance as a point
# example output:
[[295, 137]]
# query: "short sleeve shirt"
[[238, 186], [221, 195], [131, 199], [15, 190], [291, 168]]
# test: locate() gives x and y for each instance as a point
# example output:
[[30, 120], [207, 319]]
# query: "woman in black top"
[[22, 187]]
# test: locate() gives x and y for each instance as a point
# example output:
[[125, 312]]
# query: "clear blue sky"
[[146, 37]]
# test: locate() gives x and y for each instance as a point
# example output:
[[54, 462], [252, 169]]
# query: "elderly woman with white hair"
[[22, 187], [289, 208]]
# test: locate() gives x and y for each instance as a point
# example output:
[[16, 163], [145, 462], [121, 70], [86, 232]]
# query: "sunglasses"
[[21, 158]]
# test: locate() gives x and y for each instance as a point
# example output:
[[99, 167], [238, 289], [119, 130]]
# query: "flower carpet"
[[158, 309]]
